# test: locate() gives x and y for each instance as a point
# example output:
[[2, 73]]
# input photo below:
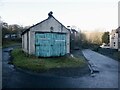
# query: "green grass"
[[117, 55], [41, 64], [7, 43]]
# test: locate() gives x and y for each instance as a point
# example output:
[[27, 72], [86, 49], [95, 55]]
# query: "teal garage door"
[[50, 44]]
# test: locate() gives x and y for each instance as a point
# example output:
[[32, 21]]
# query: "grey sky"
[[85, 14]]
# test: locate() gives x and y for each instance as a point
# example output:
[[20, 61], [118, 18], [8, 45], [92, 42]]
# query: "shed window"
[[51, 29]]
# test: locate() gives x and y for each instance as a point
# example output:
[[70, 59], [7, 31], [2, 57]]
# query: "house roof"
[[73, 30], [42, 22], [118, 29]]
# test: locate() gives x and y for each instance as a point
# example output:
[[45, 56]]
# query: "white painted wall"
[[25, 43], [32, 42], [68, 43], [44, 27], [114, 39], [22, 41]]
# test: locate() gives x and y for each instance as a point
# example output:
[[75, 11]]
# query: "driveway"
[[106, 78], [107, 67]]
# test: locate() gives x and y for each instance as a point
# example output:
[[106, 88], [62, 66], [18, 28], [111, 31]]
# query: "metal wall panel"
[[50, 44]]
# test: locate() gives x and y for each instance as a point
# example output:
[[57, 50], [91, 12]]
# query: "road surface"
[[106, 78], [108, 68]]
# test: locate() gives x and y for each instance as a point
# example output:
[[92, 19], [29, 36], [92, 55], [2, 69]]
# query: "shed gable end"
[[50, 25]]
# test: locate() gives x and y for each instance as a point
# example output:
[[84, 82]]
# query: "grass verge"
[[41, 64], [112, 53], [7, 43], [117, 55]]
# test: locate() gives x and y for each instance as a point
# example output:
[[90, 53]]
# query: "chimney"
[[50, 14]]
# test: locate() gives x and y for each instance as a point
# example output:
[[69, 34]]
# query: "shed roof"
[[41, 22]]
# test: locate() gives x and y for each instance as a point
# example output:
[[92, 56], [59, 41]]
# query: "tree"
[[105, 37], [5, 29], [93, 37]]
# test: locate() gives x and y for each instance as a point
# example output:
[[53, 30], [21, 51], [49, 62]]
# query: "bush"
[[10, 42]]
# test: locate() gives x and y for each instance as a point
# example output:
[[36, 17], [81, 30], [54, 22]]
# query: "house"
[[118, 31], [47, 38], [114, 39], [13, 36], [74, 37], [10, 36], [7, 36]]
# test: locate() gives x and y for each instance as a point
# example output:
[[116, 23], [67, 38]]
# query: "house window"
[[114, 43], [114, 35]]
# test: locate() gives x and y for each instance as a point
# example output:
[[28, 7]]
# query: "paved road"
[[108, 68], [107, 78]]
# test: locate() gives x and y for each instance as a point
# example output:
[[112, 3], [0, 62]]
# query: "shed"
[[47, 38]]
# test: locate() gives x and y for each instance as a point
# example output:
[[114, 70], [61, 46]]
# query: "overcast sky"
[[85, 14]]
